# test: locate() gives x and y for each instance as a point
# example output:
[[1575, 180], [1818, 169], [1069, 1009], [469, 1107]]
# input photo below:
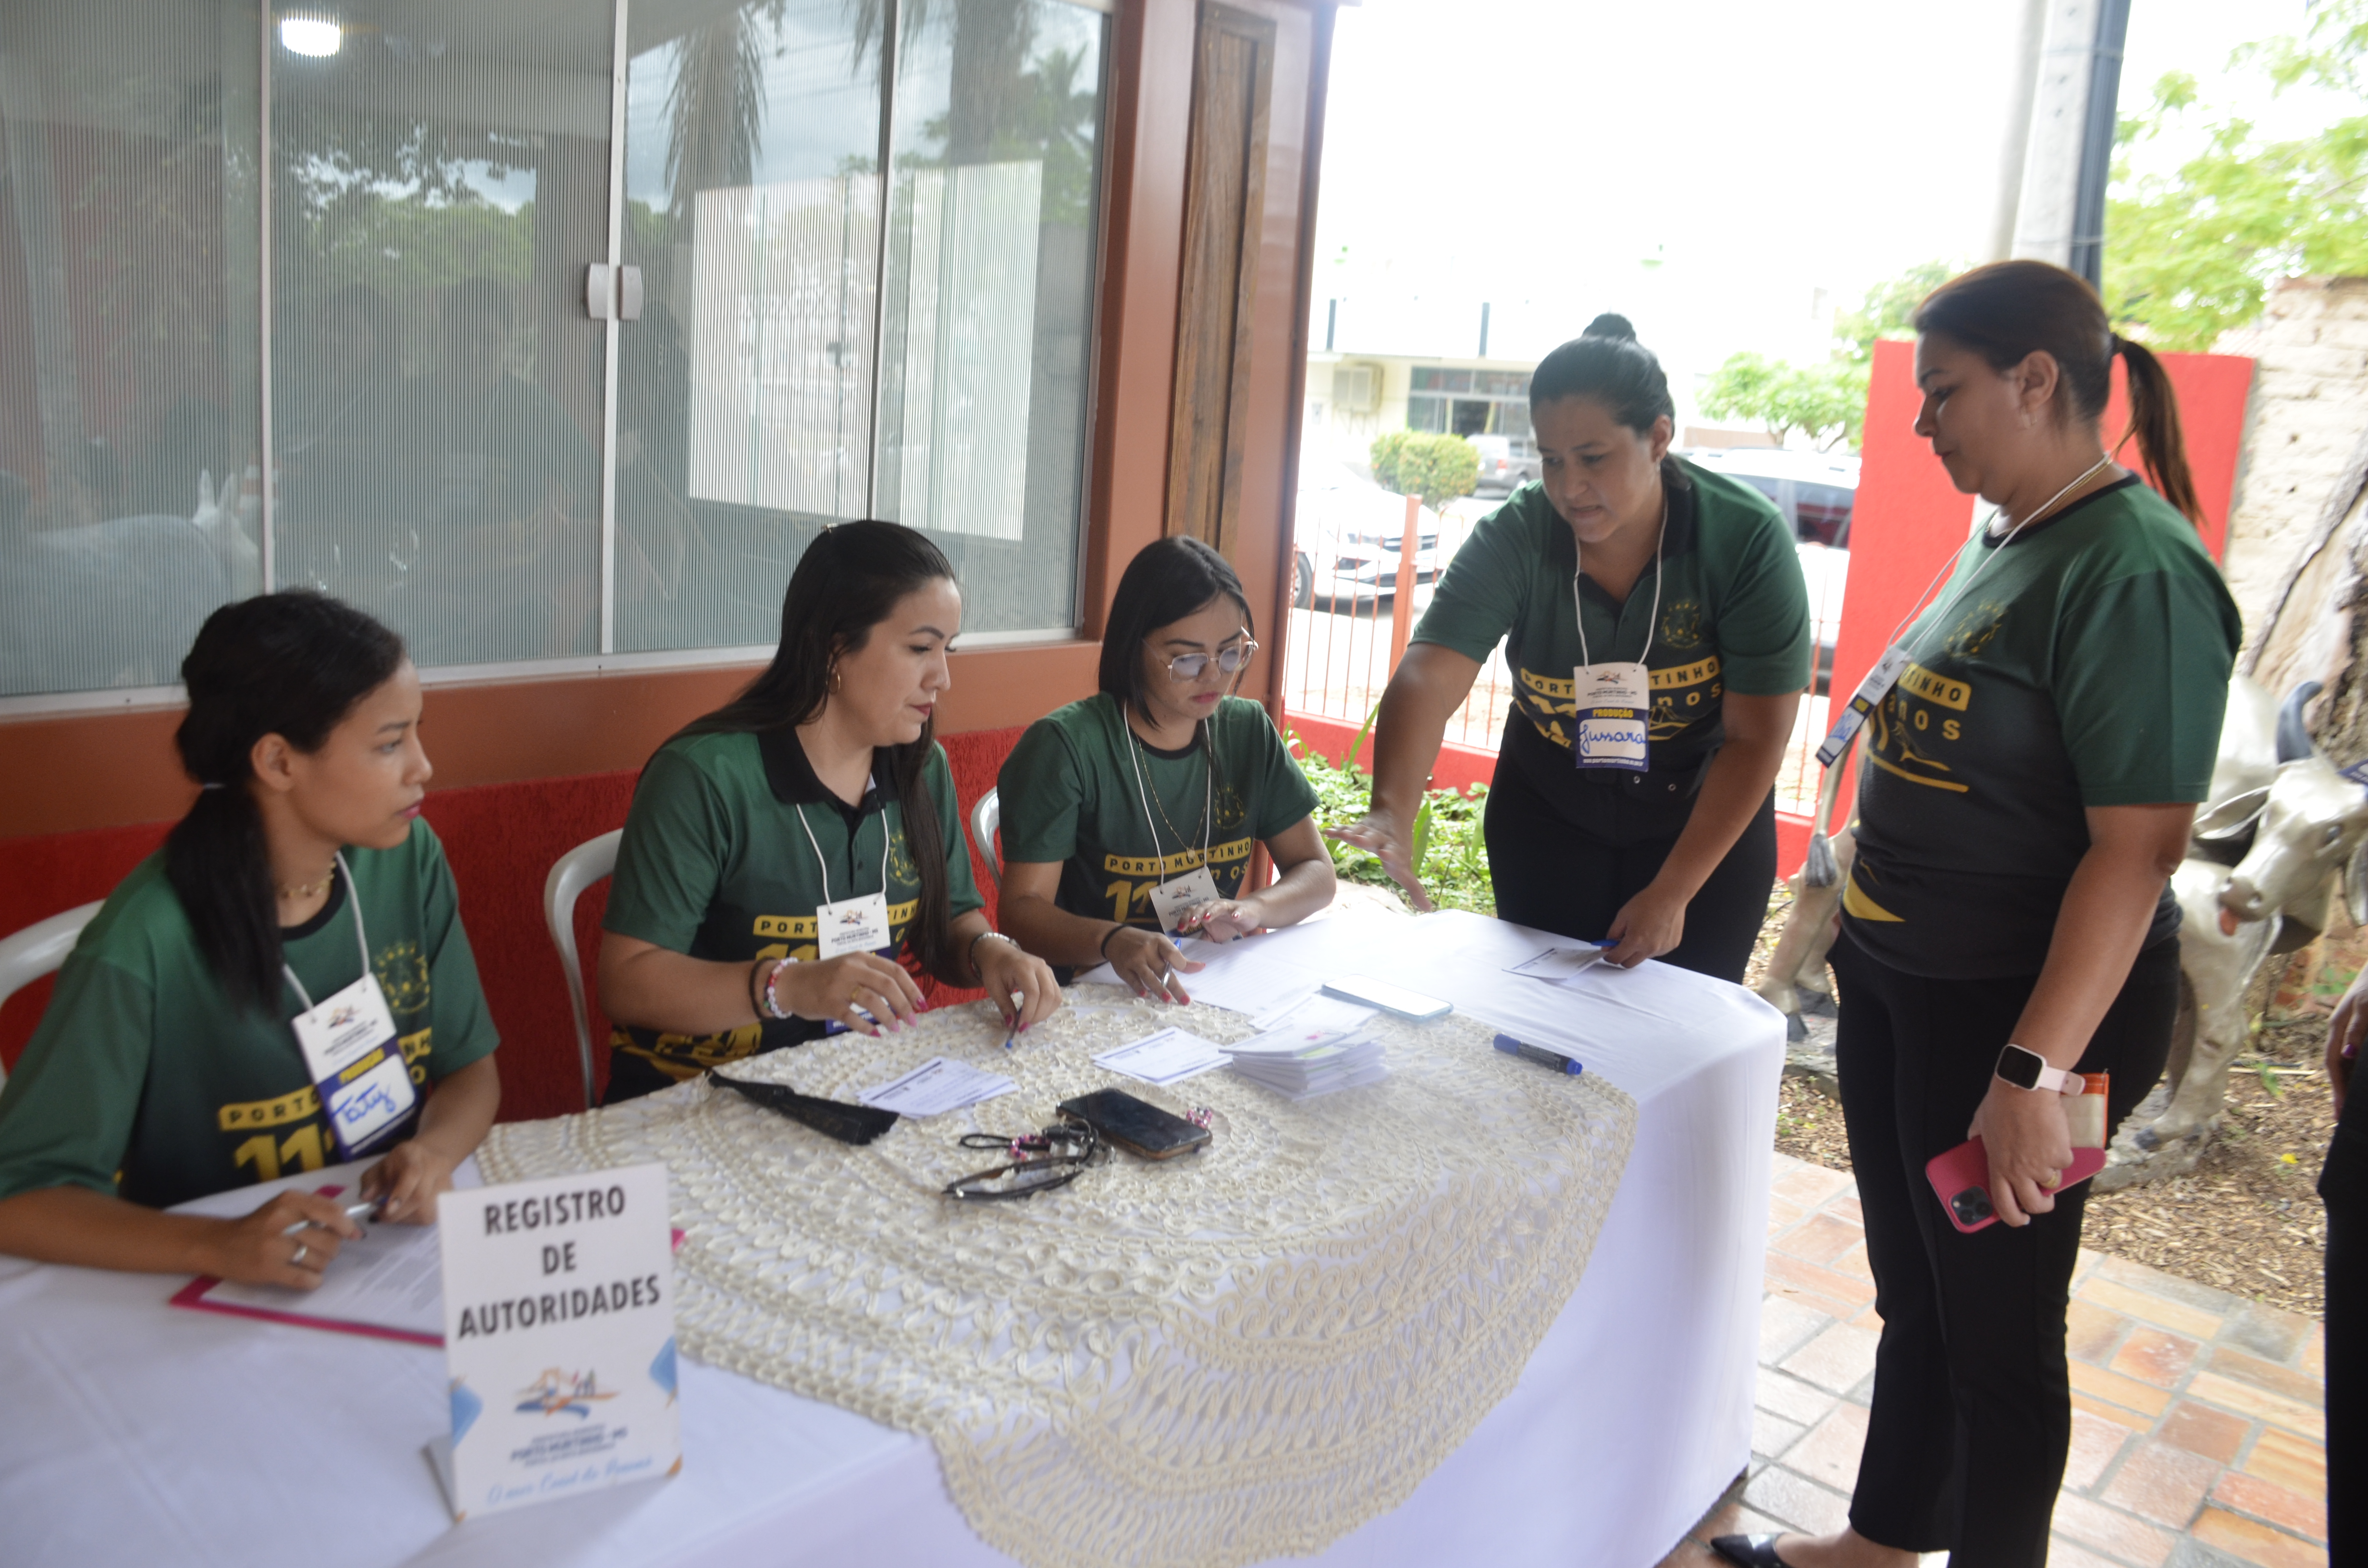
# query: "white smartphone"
[[1389, 998]]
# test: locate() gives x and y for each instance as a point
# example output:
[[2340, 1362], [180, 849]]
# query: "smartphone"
[[1136, 1125], [1389, 998], [1961, 1179]]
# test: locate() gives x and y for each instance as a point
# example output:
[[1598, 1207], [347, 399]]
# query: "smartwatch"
[[2027, 1069]]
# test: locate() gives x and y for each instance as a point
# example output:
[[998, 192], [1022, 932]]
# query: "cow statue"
[[2279, 828], [2294, 840]]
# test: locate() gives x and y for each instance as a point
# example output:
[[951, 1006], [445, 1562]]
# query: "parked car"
[[1504, 468], [1815, 492], [1345, 537]]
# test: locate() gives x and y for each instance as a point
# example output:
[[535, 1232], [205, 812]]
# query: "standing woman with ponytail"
[[171, 1064], [789, 854], [1658, 633], [2006, 925]]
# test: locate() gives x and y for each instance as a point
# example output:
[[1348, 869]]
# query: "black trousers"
[[1973, 1398], [2343, 1183], [1568, 870]]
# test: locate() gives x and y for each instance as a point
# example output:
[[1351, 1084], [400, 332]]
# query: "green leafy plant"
[[1826, 403], [1449, 851], [1429, 463]]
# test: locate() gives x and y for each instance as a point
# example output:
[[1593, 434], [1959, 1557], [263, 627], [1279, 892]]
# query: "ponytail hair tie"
[[213, 784], [2118, 342]]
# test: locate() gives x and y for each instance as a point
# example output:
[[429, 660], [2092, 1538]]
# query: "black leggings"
[[2344, 1184], [1569, 873], [1973, 1398]]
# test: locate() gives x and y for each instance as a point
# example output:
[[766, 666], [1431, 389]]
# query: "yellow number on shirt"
[[1122, 894], [301, 1150]]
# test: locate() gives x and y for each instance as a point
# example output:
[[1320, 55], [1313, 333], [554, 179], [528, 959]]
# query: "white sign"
[[558, 1338]]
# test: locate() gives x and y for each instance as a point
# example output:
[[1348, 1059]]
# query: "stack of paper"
[[1168, 1057], [1304, 1060], [934, 1086]]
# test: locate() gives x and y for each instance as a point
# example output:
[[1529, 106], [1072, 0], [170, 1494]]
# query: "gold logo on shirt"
[[302, 1105], [1167, 866], [403, 975]]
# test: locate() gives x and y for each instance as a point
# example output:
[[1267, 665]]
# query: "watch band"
[[2026, 1069]]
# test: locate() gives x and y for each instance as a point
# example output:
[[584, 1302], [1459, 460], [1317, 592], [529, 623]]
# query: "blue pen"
[[1538, 1054]]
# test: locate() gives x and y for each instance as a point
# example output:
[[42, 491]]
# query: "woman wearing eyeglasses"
[[1128, 817]]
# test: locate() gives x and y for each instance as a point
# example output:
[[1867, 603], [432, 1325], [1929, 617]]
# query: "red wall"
[[501, 840]]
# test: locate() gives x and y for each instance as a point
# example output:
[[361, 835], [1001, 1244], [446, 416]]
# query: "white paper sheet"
[[1559, 963], [1168, 1057], [393, 1277], [936, 1086]]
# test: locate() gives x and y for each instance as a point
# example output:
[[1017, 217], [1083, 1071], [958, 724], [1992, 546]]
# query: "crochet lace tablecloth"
[[1237, 1354]]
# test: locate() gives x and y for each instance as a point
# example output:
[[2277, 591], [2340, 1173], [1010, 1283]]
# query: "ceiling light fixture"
[[310, 36]]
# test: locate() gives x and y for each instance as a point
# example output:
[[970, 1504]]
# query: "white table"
[[131, 1433]]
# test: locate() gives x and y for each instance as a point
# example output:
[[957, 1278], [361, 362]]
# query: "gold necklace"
[[308, 888]]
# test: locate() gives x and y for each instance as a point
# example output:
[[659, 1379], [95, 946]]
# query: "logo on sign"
[[562, 1394]]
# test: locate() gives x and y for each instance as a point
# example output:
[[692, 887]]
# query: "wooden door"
[[1232, 91]]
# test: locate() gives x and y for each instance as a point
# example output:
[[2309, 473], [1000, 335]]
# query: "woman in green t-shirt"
[[1658, 631], [1130, 816], [168, 1064], [2006, 932], [784, 853]]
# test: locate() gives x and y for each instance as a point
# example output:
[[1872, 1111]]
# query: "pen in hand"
[[368, 1208]]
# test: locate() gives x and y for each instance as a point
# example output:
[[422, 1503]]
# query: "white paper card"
[[559, 1337], [852, 926], [1180, 896], [1558, 963], [393, 1277], [1168, 1057], [350, 1049], [936, 1086]]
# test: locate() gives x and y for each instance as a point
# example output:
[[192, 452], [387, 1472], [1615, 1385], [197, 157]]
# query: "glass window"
[[131, 463], [440, 183], [1426, 413]]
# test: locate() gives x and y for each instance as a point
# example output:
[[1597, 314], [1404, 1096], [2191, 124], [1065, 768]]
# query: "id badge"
[[1871, 691], [852, 926], [1178, 897], [1615, 710], [350, 1049]]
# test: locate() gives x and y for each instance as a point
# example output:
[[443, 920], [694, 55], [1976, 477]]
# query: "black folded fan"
[[832, 1119]]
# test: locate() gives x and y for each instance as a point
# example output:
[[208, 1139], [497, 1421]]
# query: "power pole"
[[2067, 156]]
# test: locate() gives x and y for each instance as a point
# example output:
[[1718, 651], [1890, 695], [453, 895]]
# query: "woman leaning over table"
[[787, 852], [2343, 1186], [1628, 562], [168, 1066], [1130, 816], [2034, 771]]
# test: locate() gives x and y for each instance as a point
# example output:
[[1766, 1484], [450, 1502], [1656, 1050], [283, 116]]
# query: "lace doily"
[[1236, 1355]]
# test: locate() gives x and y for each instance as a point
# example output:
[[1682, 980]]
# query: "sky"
[[1722, 172]]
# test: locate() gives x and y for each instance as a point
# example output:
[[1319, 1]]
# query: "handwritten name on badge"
[[558, 1338]]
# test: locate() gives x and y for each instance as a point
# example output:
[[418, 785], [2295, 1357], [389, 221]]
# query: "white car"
[[1816, 492], [1346, 534]]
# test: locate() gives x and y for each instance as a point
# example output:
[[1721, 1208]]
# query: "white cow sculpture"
[[2280, 828]]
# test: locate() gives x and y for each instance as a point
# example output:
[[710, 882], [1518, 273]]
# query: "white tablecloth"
[[131, 1433]]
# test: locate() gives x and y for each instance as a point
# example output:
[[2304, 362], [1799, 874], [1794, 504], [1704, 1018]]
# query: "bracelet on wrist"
[[972, 952], [772, 1008], [756, 1000], [1104, 949]]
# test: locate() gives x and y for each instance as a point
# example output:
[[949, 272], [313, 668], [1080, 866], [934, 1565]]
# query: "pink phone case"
[[1961, 1180]]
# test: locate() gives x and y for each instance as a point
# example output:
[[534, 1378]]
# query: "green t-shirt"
[[715, 864], [1734, 616], [2088, 667], [1068, 794], [142, 1079]]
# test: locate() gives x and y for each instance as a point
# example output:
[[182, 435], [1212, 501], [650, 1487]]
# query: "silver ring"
[[302, 1252]]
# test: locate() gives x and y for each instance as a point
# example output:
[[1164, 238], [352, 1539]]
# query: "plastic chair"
[[570, 875], [984, 818], [39, 948]]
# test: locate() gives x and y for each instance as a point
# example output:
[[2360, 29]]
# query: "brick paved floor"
[[2196, 1423]]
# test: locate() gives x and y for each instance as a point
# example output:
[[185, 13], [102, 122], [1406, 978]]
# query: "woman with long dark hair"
[[271, 991], [1658, 628], [1129, 817], [2006, 927], [785, 852]]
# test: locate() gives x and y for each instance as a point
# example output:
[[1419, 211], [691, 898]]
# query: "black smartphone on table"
[[1136, 1125]]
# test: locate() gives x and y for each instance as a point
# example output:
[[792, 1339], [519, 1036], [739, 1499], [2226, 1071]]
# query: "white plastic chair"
[[984, 818], [39, 948], [570, 875]]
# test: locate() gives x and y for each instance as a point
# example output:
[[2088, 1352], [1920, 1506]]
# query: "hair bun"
[[1612, 326]]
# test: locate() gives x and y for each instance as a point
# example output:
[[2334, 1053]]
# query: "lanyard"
[[362, 939], [1652, 621], [824, 864], [1143, 797], [1983, 565]]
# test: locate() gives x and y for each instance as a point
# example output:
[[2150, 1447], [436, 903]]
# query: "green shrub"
[[1432, 465], [1449, 855]]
